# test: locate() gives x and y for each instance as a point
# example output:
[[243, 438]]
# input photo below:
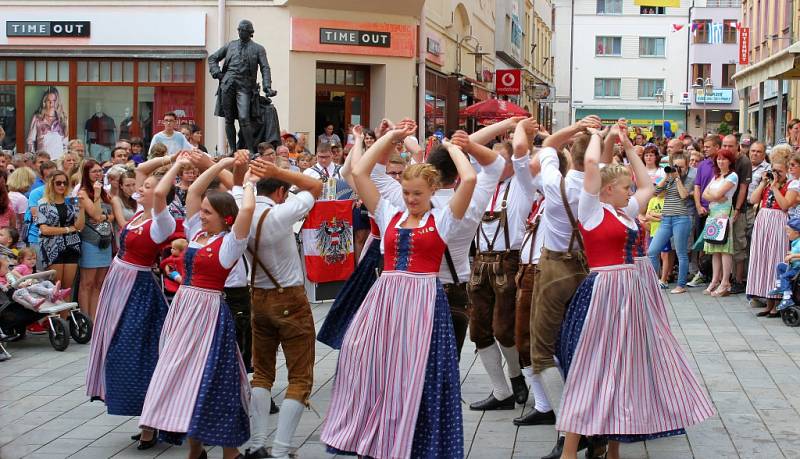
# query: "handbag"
[[104, 231], [716, 230]]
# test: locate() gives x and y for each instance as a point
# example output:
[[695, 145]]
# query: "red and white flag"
[[328, 241]]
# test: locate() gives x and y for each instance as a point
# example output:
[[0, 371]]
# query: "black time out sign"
[[48, 28], [355, 37]]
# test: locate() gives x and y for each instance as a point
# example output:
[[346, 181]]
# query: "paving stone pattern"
[[748, 365]]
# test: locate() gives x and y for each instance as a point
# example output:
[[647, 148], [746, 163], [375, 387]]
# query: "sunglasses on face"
[[60, 183]]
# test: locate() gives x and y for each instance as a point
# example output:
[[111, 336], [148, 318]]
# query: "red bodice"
[[373, 228], [136, 245], [203, 268], [415, 250], [610, 243], [768, 200]]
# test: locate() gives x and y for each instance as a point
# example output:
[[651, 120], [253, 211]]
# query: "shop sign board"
[[744, 45], [354, 37], [48, 28], [720, 96], [508, 82], [346, 37]]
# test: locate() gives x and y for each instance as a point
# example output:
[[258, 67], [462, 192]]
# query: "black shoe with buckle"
[[597, 448], [259, 453], [520, 389], [536, 418], [559, 447], [273, 408], [737, 288], [146, 444], [491, 403]]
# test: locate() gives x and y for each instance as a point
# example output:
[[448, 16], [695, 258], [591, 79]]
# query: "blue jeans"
[[785, 273], [676, 227]]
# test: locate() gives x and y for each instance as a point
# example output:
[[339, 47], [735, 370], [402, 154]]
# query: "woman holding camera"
[[719, 194], [676, 220], [95, 237], [769, 242], [60, 223]]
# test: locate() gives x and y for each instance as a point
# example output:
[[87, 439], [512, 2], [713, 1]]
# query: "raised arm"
[[485, 135], [194, 197], [561, 137], [265, 169], [459, 203], [483, 155], [165, 185], [644, 185], [241, 226], [591, 162], [147, 168], [361, 171], [203, 162], [524, 134], [355, 155]]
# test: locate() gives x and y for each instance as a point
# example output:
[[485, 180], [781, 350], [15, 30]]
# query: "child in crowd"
[[9, 237], [32, 293], [172, 267], [653, 217], [791, 266]]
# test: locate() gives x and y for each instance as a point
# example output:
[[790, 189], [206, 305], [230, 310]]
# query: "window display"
[[8, 116], [100, 108], [47, 107]]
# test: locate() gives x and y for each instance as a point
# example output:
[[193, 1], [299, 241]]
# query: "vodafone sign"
[[508, 82]]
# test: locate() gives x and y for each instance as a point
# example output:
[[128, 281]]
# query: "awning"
[[779, 66], [103, 53]]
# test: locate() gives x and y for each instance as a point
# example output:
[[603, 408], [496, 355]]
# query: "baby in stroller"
[[33, 292], [787, 270]]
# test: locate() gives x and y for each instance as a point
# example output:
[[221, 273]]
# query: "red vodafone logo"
[[509, 82]]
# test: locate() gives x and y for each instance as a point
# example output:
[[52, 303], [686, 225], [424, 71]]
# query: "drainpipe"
[[422, 40], [571, 58], [688, 71], [221, 20]]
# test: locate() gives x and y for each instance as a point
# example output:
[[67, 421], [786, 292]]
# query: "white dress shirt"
[[333, 171], [555, 222], [277, 248], [463, 231], [518, 207]]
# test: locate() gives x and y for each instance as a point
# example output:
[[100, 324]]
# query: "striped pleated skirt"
[[626, 375], [124, 347], [396, 392], [199, 388], [768, 247]]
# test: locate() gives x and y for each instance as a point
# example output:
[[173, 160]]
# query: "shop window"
[[8, 111], [701, 29], [649, 88], [46, 115], [47, 71], [609, 6], [155, 101], [8, 71], [652, 10], [608, 46], [166, 71], [606, 87], [727, 73], [651, 46], [104, 116]]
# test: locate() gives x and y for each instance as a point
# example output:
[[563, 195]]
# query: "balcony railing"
[[723, 3]]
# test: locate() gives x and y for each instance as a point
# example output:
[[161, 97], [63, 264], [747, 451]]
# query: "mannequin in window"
[[101, 133], [126, 125], [48, 131]]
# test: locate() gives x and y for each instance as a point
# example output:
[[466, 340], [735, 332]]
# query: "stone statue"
[[238, 94]]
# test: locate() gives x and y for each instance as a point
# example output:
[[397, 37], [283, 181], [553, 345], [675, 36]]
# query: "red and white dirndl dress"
[[768, 246]]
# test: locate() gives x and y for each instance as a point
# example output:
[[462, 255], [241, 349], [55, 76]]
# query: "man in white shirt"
[[173, 140], [324, 169], [281, 314], [562, 264]]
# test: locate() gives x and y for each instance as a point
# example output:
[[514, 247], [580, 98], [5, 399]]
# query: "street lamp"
[[708, 90], [660, 98], [478, 54]]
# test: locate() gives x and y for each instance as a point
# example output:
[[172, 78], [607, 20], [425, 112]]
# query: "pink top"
[[23, 269]]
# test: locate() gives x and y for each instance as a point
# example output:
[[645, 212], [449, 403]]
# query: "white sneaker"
[[696, 281]]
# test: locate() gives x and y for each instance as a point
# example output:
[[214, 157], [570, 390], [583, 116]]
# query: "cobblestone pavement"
[[748, 365]]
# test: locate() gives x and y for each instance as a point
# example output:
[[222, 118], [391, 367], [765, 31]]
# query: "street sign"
[[685, 99], [509, 82], [744, 45], [720, 96]]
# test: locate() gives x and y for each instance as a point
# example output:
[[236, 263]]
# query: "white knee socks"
[[291, 411], [541, 403], [553, 386], [490, 357], [259, 416], [512, 360]]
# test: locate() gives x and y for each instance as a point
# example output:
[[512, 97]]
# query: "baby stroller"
[[14, 318], [790, 314]]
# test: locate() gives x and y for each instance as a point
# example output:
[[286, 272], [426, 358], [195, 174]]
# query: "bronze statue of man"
[[238, 93]]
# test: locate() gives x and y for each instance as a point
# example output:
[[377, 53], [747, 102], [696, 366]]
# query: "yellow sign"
[[669, 3]]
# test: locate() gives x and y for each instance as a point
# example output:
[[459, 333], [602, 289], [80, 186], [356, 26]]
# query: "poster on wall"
[[46, 110], [180, 100]]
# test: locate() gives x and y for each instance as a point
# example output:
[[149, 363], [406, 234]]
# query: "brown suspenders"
[[576, 233], [503, 223], [256, 261]]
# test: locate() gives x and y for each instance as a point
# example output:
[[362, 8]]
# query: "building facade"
[[767, 80], [624, 55], [713, 57], [459, 60], [114, 69]]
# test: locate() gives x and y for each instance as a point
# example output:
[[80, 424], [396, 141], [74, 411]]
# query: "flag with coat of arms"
[[328, 241]]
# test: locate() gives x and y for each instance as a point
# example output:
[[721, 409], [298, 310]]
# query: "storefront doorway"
[[342, 97]]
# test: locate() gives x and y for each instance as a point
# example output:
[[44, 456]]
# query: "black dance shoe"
[[146, 444], [536, 418], [520, 389], [491, 403], [273, 408], [559, 447]]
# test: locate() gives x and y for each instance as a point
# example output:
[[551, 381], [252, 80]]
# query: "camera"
[[670, 169], [769, 175]]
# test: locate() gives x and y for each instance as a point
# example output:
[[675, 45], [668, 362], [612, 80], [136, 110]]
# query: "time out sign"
[[48, 28], [354, 37]]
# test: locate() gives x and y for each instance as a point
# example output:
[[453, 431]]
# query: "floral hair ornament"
[[229, 220]]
